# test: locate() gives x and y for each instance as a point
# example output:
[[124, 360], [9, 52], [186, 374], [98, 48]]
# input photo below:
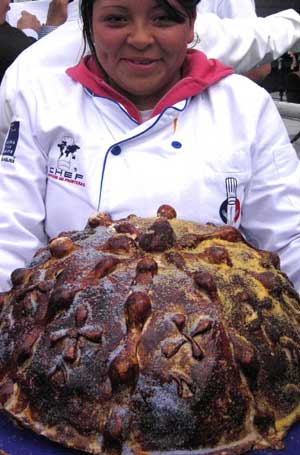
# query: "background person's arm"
[[29, 24], [227, 8], [260, 73], [245, 43], [57, 15], [234, 9]]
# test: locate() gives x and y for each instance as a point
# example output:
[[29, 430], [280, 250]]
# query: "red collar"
[[199, 73]]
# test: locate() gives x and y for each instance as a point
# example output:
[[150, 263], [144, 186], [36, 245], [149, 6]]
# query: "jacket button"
[[116, 150], [176, 144]]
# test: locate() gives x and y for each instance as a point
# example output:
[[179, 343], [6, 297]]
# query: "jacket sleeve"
[[237, 8], [22, 191], [30, 33], [7, 103], [271, 208], [244, 43]]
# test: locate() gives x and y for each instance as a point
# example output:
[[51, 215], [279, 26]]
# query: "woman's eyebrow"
[[115, 7]]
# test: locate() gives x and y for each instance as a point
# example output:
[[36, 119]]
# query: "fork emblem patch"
[[230, 209]]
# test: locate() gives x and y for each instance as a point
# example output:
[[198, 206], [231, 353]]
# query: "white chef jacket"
[[189, 156], [227, 8]]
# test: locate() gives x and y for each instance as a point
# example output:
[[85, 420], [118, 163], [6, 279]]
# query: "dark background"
[[266, 7]]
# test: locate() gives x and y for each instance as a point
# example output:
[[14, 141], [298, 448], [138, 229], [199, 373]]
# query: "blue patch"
[[11, 143]]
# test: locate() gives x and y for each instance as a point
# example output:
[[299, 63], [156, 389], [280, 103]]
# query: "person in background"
[[143, 121], [235, 9], [293, 80], [14, 40]]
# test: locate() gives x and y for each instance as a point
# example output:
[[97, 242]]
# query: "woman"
[[141, 122]]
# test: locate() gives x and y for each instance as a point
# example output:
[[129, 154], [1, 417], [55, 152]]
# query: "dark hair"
[[189, 6], [86, 10]]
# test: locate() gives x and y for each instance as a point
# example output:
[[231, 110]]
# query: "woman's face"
[[139, 47]]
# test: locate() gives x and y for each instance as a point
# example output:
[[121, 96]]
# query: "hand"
[[57, 12], [28, 20]]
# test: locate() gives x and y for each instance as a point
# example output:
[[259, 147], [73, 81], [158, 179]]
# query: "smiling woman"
[[142, 121], [141, 45]]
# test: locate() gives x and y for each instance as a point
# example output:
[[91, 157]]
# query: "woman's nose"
[[140, 36]]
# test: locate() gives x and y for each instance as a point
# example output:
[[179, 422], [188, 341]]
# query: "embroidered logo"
[[66, 167], [230, 209], [11, 142], [67, 153]]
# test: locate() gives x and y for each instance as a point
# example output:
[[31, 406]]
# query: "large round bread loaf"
[[152, 335]]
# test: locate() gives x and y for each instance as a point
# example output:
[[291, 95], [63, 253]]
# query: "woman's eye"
[[115, 20], [163, 19]]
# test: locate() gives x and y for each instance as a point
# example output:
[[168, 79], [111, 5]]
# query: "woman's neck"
[[144, 102]]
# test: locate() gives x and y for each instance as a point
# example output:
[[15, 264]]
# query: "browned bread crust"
[[152, 335]]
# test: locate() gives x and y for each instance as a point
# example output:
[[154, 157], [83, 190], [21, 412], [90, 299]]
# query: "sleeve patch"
[[11, 142]]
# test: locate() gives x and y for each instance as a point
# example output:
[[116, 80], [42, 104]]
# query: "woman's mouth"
[[141, 62]]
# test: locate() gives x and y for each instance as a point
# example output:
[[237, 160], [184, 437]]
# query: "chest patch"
[[230, 208], [66, 167]]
